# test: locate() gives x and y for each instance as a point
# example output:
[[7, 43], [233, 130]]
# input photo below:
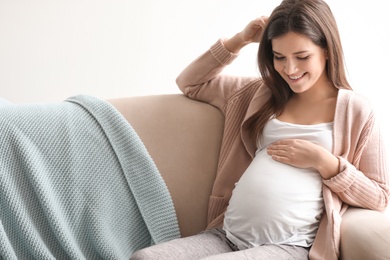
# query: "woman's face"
[[299, 61]]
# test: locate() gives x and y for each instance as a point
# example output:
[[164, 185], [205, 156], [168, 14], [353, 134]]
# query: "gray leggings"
[[213, 245]]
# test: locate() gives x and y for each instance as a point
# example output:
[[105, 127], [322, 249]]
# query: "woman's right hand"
[[251, 33]]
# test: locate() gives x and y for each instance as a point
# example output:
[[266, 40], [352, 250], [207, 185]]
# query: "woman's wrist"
[[235, 43], [329, 167]]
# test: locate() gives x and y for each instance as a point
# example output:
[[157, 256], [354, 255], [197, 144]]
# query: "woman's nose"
[[290, 67]]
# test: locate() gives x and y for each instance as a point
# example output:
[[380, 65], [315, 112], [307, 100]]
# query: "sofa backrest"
[[183, 137]]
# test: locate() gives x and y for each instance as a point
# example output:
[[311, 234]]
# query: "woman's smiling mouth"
[[296, 77]]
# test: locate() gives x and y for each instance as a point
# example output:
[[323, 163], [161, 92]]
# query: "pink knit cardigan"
[[362, 180]]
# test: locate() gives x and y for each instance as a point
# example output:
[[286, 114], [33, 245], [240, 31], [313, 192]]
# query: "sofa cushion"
[[183, 137]]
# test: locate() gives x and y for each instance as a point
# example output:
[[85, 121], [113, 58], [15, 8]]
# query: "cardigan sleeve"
[[202, 79], [363, 177]]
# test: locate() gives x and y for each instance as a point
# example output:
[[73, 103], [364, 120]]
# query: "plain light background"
[[50, 50], [53, 49]]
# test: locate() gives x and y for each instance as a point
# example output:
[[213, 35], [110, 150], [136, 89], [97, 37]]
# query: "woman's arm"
[[201, 80], [364, 182], [361, 183]]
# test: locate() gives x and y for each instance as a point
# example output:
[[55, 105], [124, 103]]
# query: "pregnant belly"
[[272, 202]]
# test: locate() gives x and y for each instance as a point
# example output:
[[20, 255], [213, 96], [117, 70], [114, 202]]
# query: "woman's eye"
[[303, 58], [278, 58]]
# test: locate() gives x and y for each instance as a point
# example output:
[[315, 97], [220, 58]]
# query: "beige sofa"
[[184, 136]]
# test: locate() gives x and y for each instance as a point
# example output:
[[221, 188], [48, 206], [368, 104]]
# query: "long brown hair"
[[312, 18]]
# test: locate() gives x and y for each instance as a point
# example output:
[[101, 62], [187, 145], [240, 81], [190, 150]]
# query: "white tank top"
[[275, 203]]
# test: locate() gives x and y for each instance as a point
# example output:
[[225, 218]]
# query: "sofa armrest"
[[365, 234], [183, 137]]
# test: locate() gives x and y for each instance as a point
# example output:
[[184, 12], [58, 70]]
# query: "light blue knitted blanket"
[[76, 182]]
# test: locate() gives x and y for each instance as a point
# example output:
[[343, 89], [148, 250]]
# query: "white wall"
[[50, 50]]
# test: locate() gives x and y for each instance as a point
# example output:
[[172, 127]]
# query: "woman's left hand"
[[304, 154]]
